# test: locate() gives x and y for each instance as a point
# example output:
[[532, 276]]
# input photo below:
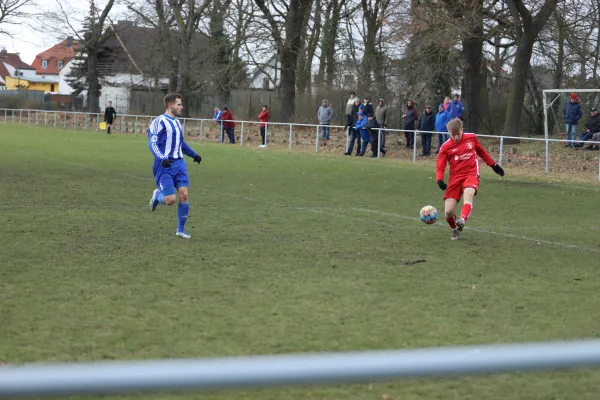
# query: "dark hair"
[[265, 106], [225, 109], [170, 98], [369, 115], [353, 93]]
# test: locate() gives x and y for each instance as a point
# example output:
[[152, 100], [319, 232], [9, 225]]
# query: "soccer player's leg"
[[451, 198], [165, 194], [470, 186], [182, 183]]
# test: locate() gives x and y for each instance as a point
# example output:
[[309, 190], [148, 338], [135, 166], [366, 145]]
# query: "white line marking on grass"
[[324, 210], [508, 235]]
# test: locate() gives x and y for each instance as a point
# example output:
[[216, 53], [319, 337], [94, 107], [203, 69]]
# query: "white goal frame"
[[559, 92]]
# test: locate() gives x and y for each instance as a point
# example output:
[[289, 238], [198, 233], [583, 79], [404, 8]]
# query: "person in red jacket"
[[462, 152], [263, 117], [228, 125]]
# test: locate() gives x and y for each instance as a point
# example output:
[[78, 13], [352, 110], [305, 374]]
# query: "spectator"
[[354, 134], [364, 133], [426, 126], [217, 116], [368, 107], [350, 106], [595, 138], [571, 115], [372, 126], [410, 117], [263, 117], [592, 126], [441, 119], [381, 117], [325, 114], [456, 108], [446, 103], [228, 125]]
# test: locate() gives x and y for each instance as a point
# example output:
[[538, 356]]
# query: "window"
[[59, 64], [52, 87], [44, 64]]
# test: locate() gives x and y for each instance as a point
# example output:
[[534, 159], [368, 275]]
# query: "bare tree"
[[12, 12], [527, 28], [187, 17], [287, 30]]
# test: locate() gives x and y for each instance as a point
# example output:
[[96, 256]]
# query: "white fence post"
[[36, 117], [65, 121], [45, 118], [55, 117], [415, 147], [317, 140], [135, 126], [501, 151], [291, 136], [242, 134], [201, 130], [20, 116], [74, 120], [97, 122], [378, 143]]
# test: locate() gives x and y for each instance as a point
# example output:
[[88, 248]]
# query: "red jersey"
[[462, 157]]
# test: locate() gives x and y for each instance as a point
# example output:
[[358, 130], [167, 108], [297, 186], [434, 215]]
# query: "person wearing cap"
[[360, 127], [456, 108], [571, 115], [591, 127], [325, 114], [426, 127], [411, 116], [381, 117]]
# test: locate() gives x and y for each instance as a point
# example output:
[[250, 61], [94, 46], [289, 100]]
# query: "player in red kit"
[[462, 152]]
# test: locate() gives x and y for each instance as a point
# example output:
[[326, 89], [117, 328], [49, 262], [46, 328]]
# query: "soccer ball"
[[428, 214]]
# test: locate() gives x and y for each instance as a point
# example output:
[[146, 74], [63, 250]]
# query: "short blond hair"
[[454, 125]]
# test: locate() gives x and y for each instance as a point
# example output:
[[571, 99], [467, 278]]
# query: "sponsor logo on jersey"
[[154, 138]]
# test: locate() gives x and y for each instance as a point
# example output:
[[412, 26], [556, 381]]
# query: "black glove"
[[197, 159], [166, 163], [498, 169], [441, 184]]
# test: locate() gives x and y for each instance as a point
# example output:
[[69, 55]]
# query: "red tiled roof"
[[3, 71], [59, 52], [14, 60]]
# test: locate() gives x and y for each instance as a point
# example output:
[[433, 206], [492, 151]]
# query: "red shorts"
[[456, 187]]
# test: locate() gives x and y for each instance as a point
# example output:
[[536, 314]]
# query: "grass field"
[[289, 253]]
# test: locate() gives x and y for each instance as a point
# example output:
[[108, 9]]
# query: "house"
[[50, 64], [13, 71], [266, 76], [138, 60]]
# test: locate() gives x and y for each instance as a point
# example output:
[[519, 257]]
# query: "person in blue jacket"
[[361, 126], [441, 119], [456, 108], [571, 115]]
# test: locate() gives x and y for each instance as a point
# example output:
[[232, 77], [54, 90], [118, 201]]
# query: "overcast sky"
[[34, 37]]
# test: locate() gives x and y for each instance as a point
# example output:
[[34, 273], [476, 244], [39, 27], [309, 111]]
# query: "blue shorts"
[[170, 179]]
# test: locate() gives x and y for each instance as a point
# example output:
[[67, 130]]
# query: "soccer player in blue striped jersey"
[[165, 139]]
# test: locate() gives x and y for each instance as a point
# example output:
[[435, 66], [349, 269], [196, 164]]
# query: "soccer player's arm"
[[481, 152], [187, 150], [440, 166], [154, 131]]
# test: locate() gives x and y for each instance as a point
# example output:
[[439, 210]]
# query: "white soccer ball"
[[428, 214]]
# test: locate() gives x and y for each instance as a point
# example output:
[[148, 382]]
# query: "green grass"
[[290, 253]]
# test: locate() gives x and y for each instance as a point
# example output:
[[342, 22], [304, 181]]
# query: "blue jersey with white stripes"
[[165, 139]]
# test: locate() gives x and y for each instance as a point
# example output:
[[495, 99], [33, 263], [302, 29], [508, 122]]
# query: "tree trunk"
[[183, 83], [93, 81], [472, 75], [518, 86], [288, 85]]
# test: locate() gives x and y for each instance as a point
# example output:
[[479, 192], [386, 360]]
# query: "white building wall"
[[63, 85]]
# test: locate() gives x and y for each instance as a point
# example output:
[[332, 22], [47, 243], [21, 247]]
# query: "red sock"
[[466, 211], [452, 222]]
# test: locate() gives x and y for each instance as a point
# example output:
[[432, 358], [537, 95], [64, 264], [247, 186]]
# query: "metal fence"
[[260, 371], [289, 134]]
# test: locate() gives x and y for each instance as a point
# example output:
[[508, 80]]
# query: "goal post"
[[556, 94]]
